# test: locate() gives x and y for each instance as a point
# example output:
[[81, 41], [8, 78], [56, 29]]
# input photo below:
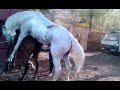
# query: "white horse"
[[46, 32]]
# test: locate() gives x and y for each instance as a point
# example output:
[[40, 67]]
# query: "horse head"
[[9, 35]]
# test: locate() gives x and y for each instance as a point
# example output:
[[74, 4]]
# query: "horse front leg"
[[20, 38], [9, 66]]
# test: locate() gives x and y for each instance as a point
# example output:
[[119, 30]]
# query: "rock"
[[95, 68]]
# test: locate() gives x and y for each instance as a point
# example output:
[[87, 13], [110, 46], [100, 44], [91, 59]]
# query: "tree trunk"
[[90, 25], [91, 17]]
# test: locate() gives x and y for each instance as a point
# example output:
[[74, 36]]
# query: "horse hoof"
[[67, 79], [33, 77], [53, 80], [50, 74], [3, 74], [20, 79]]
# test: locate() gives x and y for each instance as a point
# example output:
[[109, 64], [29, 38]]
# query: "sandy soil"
[[97, 67]]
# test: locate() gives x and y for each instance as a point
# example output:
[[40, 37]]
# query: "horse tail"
[[78, 55]]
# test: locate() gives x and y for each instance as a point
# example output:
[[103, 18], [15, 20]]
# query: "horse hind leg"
[[68, 66], [57, 54], [25, 71], [57, 66], [35, 57], [51, 63], [56, 62], [26, 64], [36, 64], [51, 66]]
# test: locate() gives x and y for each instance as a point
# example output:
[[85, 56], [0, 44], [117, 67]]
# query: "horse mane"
[[46, 21], [14, 21]]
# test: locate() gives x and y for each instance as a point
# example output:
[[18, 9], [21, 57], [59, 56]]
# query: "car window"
[[111, 37]]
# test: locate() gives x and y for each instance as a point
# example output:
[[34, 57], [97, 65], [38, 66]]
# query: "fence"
[[90, 41]]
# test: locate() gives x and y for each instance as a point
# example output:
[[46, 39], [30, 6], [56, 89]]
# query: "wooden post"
[[84, 38]]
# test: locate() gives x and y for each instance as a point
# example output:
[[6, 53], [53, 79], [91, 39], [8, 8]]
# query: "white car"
[[110, 42]]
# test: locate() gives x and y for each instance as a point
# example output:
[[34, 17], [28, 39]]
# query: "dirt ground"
[[97, 67]]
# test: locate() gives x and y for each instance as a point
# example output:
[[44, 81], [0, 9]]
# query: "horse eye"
[[3, 26]]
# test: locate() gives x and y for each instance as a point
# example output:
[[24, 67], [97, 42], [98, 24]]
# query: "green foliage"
[[101, 19]]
